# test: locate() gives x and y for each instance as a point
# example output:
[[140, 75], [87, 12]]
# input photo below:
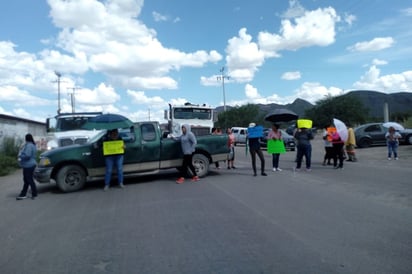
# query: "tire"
[[364, 143], [71, 178], [201, 164]]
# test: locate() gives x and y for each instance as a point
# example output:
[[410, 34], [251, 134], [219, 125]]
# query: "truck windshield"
[[70, 123], [192, 113]]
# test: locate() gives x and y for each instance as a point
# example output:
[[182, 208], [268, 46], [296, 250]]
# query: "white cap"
[[252, 125]]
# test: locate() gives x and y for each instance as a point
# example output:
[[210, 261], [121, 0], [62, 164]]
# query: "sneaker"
[[21, 197], [195, 179], [121, 185], [389, 158], [308, 169], [278, 169], [180, 180], [33, 197], [274, 169], [228, 167], [396, 158], [106, 188], [296, 169], [233, 167], [264, 174]]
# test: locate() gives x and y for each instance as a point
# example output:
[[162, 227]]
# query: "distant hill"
[[373, 100], [298, 106]]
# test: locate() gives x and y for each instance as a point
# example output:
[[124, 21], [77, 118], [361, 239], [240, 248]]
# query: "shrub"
[[8, 156]]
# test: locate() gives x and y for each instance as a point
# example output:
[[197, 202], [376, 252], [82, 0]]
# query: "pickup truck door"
[[144, 153]]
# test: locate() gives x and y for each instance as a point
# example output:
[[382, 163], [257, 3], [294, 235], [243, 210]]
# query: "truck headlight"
[[44, 161]]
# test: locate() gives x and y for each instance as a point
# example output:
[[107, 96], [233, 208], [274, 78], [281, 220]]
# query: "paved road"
[[355, 220]]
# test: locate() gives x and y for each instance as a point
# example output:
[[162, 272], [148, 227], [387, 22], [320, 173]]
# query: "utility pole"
[[59, 75], [72, 97], [222, 78]]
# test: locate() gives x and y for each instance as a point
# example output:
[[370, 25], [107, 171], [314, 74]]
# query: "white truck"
[[201, 118], [65, 129]]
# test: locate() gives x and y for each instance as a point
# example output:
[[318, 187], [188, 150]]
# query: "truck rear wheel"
[[71, 178], [201, 164]]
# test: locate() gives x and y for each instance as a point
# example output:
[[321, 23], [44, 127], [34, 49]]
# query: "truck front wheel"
[[71, 178], [201, 164]]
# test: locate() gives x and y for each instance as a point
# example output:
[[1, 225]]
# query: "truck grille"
[[200, 131], [70, 141]]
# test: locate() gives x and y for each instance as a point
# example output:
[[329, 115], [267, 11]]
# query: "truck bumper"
[[42, 174]]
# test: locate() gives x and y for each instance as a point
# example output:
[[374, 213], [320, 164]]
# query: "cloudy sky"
[[133, 57]]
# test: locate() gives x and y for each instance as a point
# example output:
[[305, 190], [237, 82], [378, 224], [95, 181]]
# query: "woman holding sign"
[[254, 135], [275, 146], [113, 150], [303, 136]]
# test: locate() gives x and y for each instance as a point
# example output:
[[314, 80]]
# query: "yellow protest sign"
[[113, 147], [304, 123]]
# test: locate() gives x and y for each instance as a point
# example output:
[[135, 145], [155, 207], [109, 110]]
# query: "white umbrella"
[[341, 129], [395, 125]]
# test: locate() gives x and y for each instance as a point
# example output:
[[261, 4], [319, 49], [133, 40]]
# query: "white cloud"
[[243, 57], [373, 80], [375, 44], [291, 75], [379, 62], [313, 28], [159, 17]]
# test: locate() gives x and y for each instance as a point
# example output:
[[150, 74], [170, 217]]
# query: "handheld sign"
[[255, 132], [304, 123], [113, 147]]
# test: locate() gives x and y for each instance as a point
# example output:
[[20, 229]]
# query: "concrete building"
[[17, 128]]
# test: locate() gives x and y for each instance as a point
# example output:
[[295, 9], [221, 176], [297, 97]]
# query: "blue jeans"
[[392, 147], [113, 160], [304, 150], [28, 181], [275, 160]]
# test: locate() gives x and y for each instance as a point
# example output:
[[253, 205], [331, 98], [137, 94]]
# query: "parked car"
[[240, 135], [288, 139], [373, 134]]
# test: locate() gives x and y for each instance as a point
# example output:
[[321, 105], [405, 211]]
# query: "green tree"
[[348, 109], [240, 116]]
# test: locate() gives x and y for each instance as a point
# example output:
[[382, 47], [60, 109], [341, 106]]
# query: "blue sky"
[[133, 57]]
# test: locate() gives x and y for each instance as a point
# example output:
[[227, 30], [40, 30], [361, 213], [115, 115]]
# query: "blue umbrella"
[[108, 121]]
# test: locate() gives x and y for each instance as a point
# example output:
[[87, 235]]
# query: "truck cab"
[[201, 118], [66, 129]]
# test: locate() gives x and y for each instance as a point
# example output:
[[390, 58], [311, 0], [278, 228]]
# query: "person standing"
[[350, 145], [231, 145], [276, 135], [188, 143], [338, 144], [27, 160], [328, 146], [254, 148], [392, 141], [304, 147], [113, 160]]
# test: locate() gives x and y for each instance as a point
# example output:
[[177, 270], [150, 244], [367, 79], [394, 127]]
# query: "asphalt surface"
[[355, 220]]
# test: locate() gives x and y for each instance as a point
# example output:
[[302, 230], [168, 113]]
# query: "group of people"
[[335, 149]]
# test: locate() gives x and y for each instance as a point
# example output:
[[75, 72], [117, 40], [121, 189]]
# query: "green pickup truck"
[[147, 152]]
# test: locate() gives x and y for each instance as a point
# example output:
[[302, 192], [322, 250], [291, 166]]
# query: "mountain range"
[[374, 101]]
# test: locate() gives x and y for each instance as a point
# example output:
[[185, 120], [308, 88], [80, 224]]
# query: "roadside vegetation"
[[8, 155]]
